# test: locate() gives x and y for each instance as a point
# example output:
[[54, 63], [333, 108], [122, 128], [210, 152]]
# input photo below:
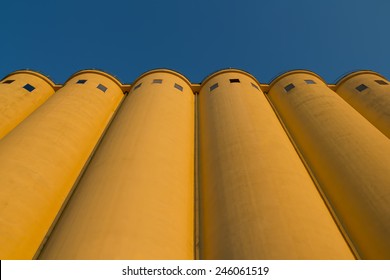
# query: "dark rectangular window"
[[361, 87], [179, 87], [102, 88], [289, 87], [29, 87], [157, 81], [256, 87], [310, 82], [214, 86], [137, 86], [81, 81], [234, 81], [381, 82], [8, 81]]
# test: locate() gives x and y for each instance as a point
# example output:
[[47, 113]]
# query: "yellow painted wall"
[[257, 201], [373, 102], [43, 156], [347, 155], [136, 199], [16, 102], [151, 191]]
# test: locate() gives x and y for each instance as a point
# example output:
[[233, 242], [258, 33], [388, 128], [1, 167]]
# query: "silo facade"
[[225, 169], [369, 93], [257, 201], [136, 199], [21, 93], [43, 156], [345, 153]]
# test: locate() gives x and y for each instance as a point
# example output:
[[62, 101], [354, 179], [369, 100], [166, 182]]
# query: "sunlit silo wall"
[[43, 156], [21, 93], [257, 201], [136, 198], [346, 154], [292, 173], [369, 93]]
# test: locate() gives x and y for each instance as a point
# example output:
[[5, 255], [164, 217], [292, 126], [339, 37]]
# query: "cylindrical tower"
[[257, 199], [346, 154], [136, 199], [21, 93], [369, 93], [43, 156]]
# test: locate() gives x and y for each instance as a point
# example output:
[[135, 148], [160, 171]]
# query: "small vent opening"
[[361, 87], [213, 87], [289, 87]]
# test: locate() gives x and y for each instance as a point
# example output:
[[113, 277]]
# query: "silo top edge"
[[228, 70], [355, 73], [95, 71], [34, 73], [163, 70], [291, 72]]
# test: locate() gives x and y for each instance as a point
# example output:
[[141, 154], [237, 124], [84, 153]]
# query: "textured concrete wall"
[[231, 172], [136, 199], [21, 93], [257, 200], [347, 155], [44, 155]]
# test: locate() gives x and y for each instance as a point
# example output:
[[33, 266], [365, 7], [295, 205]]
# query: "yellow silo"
[[257, 201], [136, 199], [346, 154], [42, 158], [369, 93], [21, 93]]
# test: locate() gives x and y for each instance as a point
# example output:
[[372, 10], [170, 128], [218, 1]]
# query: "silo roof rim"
[[162, 70], [296, 71], [228, 70], [356, 73], [34, 73], [99, 72]]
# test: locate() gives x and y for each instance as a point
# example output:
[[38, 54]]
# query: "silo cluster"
[[163, 168]]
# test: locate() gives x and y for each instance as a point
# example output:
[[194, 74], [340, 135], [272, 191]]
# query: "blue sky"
[[196, 38]]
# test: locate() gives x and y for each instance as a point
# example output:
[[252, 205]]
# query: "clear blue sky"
[[126, 37]]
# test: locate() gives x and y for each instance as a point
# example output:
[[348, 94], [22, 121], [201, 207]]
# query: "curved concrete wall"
[[369, 93], [346, 154], [43, 156], [257, 200], [136, 199], [21, 93], [232, 178]]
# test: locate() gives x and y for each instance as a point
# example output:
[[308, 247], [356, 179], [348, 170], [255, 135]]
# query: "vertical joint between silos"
[[84, 168], [196, 179], [318, 186]]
